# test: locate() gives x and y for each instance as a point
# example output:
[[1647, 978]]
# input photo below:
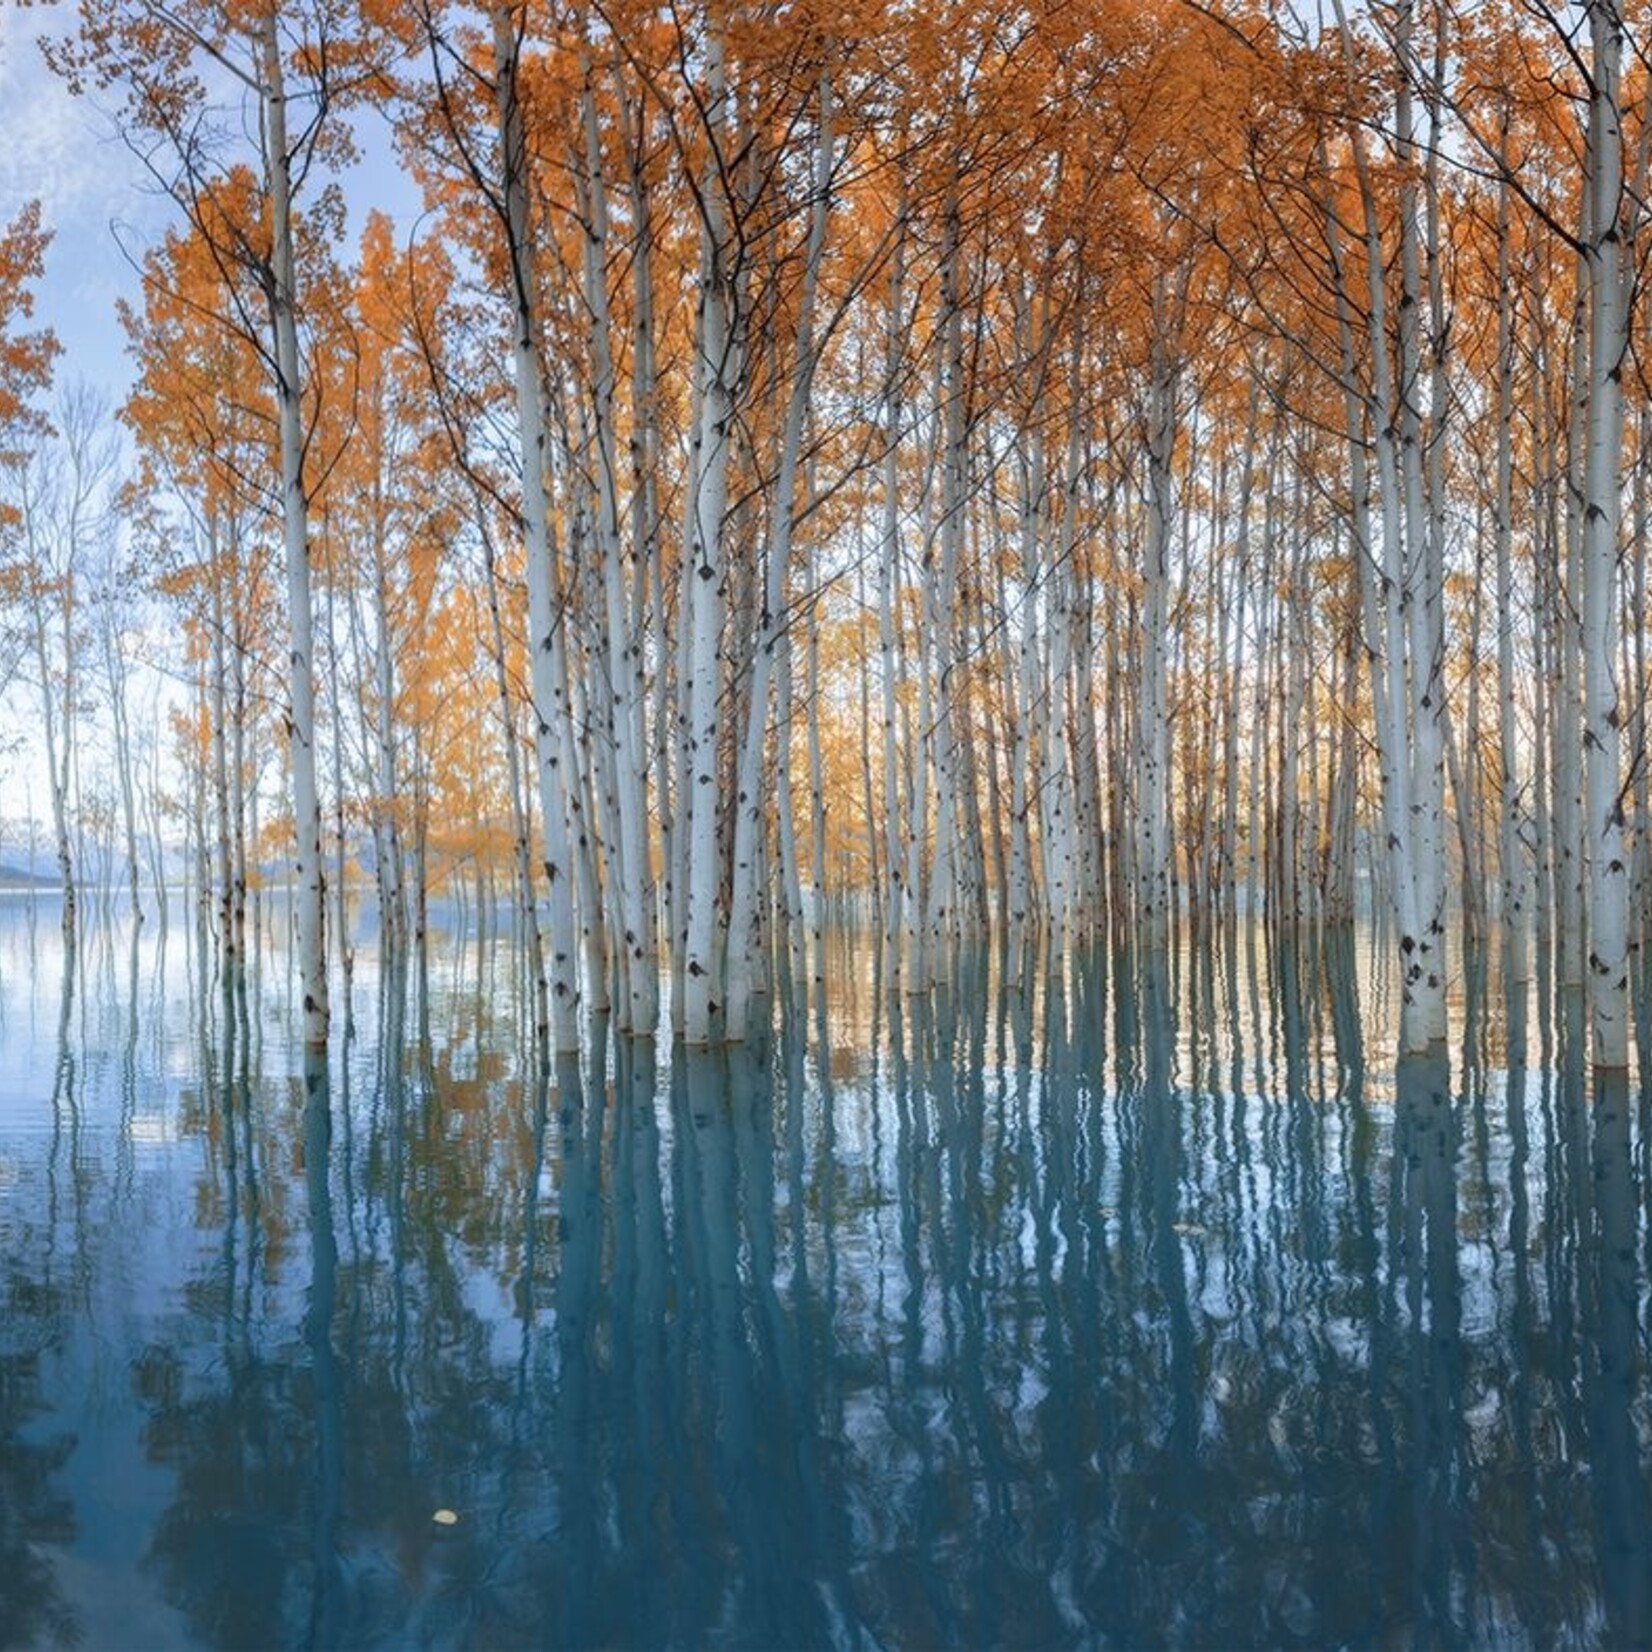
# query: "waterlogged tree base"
[[657, 1333], [1422, 1030], [1423, 1008]]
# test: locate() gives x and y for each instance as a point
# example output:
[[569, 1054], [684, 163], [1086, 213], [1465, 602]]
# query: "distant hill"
[[15, 874]]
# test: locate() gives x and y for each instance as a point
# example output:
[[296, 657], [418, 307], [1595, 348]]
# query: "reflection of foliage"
[[958, 1350], [32, 1514], [238, 1457], [265, 1431]]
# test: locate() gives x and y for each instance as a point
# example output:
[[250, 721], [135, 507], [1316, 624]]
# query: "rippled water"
[[1128, 1308]]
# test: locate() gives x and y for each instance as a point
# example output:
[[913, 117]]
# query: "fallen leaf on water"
[[445, 1517]]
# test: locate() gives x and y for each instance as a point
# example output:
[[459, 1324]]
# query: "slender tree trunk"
[[547, 636], [341, 891], [1510, 854], [308, 869], [521, 826], [626, 681], [898, 896], [941, 729], [774, 638], [1401, 599], [1425, 585], [1608, 348], [1570, 859], [227, 939], [707, 579], [1153, 759], [56, 713], [115, 677], [388, 846]]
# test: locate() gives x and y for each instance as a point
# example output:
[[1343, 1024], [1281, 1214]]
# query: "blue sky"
[[98, 199], [65, 151]]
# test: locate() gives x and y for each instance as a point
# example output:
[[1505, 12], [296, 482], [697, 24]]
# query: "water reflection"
[[1125, 1299]]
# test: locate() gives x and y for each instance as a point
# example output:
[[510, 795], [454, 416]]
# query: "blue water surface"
[[1098, 1303]]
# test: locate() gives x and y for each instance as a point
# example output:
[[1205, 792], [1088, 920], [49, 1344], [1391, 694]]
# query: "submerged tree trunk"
[[1402, 599], [387, 829], [622, 687], [228, 943], [308, 870], [750, 803], [1153, 868], [1602, 720], [897, 896], [1510, 853], [547, 637], [706, 578]]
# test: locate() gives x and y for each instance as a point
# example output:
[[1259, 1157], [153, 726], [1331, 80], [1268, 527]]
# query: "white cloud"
[[65, 152], [98, 198], [59, 148]]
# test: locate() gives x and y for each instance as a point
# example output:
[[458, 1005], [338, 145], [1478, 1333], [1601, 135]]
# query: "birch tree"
[[548, 662], [190, 76], [1608, 235]]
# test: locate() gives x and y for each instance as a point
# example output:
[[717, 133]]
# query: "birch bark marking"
[[308, 869], [623, 690], [1424, 1024], [1153, 799], [707, 574], [1511, 856], [749, 800], [1602, 737], [940, 728], [220, 756], [387, 833], [548, 674], [898, 896]]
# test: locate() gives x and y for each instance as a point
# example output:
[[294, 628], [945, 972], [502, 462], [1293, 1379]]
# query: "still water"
[[1123, 1309]]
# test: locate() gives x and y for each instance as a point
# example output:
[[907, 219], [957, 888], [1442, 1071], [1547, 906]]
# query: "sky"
[[92, 189], [104, 210], [101, 203]]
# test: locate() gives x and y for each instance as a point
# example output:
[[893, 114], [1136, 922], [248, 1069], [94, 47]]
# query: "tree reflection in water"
[[1136, 1300]]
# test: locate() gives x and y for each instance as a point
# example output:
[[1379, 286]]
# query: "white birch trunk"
[[1424, 534], [1602, 729], [1569, 848], [295, 509], [707, 573], [1511, 855], [898, 897], [115, 672], [1056, 789], [785, 812], [547, 644], [1153, 736], [521, 826], [750, 802], [1400, 602], [1014, 652], [941, 731], [56, 715], [681, 757], [623, 689], [220, 756], [818, 806], [387, 832]]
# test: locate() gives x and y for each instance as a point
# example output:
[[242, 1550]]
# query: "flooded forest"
[[830, 825]]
